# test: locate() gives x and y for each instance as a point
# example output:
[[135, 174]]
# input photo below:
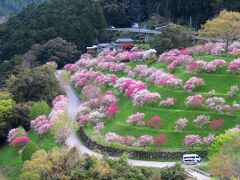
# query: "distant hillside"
[[8, 7]]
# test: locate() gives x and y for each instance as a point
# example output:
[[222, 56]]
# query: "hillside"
[[9, 7], [81, 22]]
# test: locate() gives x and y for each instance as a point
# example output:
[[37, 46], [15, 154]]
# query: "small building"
[[125, 44], [92, 49], [104, 46]]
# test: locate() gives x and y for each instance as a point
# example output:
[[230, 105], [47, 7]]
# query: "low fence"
[[111, 151]]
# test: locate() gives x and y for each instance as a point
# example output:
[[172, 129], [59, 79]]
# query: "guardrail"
[[200, 171]]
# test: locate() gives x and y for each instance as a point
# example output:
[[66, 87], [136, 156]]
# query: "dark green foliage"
[[175, 172], [81, 22], [8, 7], [20, 115], [39, 108], [173, 36], [56, 49], [29, 150], [36, 84]]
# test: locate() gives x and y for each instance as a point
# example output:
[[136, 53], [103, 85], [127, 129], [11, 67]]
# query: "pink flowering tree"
[[233, 91], [144, 141], [159, 140], [99, 126], [16, 132], [195, 100], [20, 142], [216, 124], [216, 104], [112, 110], [193, 83], [155, 122], [191, 140], [127, 140], [234, 66], [143, 96], [201, 121], [214, 65], [208, 139], [181, 123], [41, 125], [111, 137], [136, 119], [168, 102]]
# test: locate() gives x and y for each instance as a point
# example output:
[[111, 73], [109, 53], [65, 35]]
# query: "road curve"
[[74, 141]]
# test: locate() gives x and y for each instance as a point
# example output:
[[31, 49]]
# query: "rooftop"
[[124, 40]]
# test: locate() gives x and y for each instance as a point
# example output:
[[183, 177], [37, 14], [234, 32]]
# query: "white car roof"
[[185, 155]]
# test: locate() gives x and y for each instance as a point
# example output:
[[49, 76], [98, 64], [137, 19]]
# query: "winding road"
[[74, 141]]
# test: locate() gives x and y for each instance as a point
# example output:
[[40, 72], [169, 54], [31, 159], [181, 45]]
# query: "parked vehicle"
[[191, 159]]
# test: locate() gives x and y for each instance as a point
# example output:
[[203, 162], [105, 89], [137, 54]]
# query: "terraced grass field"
[[221, 81]]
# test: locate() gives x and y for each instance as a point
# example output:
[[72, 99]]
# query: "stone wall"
[[111, 151]]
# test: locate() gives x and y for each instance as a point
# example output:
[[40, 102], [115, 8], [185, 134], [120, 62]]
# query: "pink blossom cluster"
[[208, 48], [143, 96], [108, 79], [99, 126], [217, 104], [86, 61], [136, 119], [235, 51], [181, 123], [141, 141], [16, 132], [216, 124], [60, 103], [41, 124], [201, 121], [71, 67], [192, 140], [112, 66], [155, 122], [234, 66], [168, 102], [109, 98], [94, 110], [83, 77], [20, 142], [136, 90], [214, 65], [233, 90], [143, 71], [208, 139], [195, 100], [175, 58], [193, 83], [159, 77]]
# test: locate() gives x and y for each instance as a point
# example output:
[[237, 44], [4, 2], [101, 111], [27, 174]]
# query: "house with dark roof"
[[125, 44]]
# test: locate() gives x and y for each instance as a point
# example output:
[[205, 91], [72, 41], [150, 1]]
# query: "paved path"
[[74, 141]]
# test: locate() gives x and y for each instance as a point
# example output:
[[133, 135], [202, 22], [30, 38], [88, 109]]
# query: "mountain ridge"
[[12, 7]]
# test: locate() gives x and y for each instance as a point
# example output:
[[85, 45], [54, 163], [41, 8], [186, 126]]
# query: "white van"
[[191, 159]]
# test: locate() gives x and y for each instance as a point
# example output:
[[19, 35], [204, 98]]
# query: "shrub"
[[158, 140], [29, 150], [15, 133], [181, 123], [173, 36], [41, 124], [155, 122], [201, 121], [39, 108], [20, 142], [173, 172], [112, 110], [194, 101], [216, 124], [191, 140]]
